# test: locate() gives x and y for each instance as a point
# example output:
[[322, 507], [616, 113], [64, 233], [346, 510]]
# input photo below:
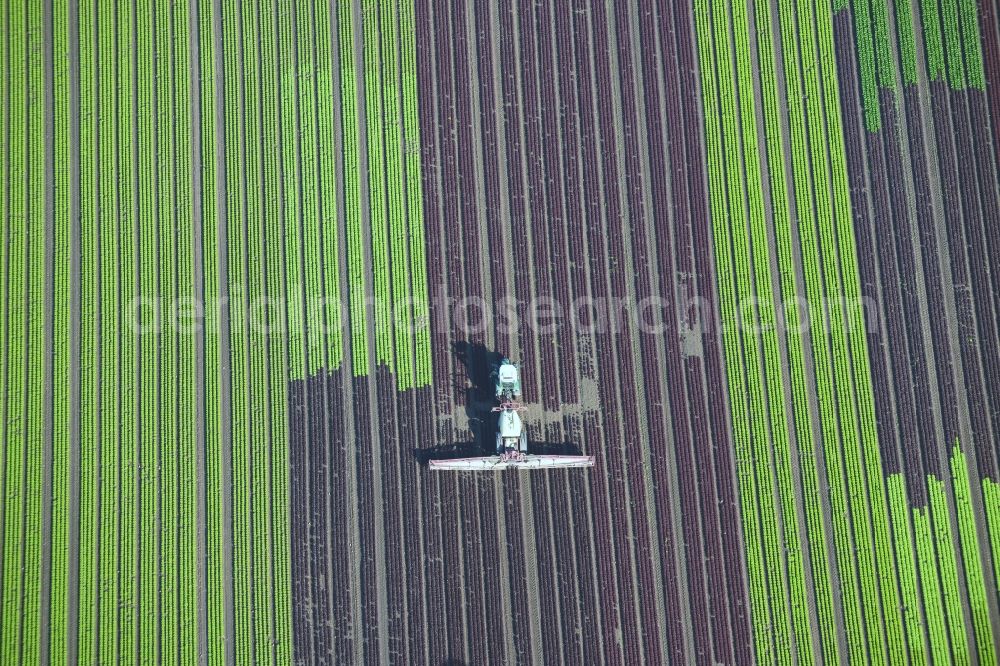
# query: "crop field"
[[258, 258]]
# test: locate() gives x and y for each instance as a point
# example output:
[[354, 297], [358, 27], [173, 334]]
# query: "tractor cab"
[[508, 380]]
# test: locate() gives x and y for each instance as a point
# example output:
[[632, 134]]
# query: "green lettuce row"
[[5, 239], [239, 356], [88, 591], [260, 106], [912, 617], [930, 585], [972, 562], [933, 39], [872, 66], [110, 371], [325, 95], [312, 240], [167, 555], [414, 198], [247, 466], [36, 342], [756, 286], [955, 65], [352, 192], [128, 533], [149, 415], [290, 166], [907, 40], [391, 126], [215, 545], [187, 473], [758, 592], [14, 426], [860, 611], [274, 450], [944, 540], [809, 468], [62, 166], [377, 203]]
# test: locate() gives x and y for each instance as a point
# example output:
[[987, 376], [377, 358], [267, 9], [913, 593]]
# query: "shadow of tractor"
[[480, 399]]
